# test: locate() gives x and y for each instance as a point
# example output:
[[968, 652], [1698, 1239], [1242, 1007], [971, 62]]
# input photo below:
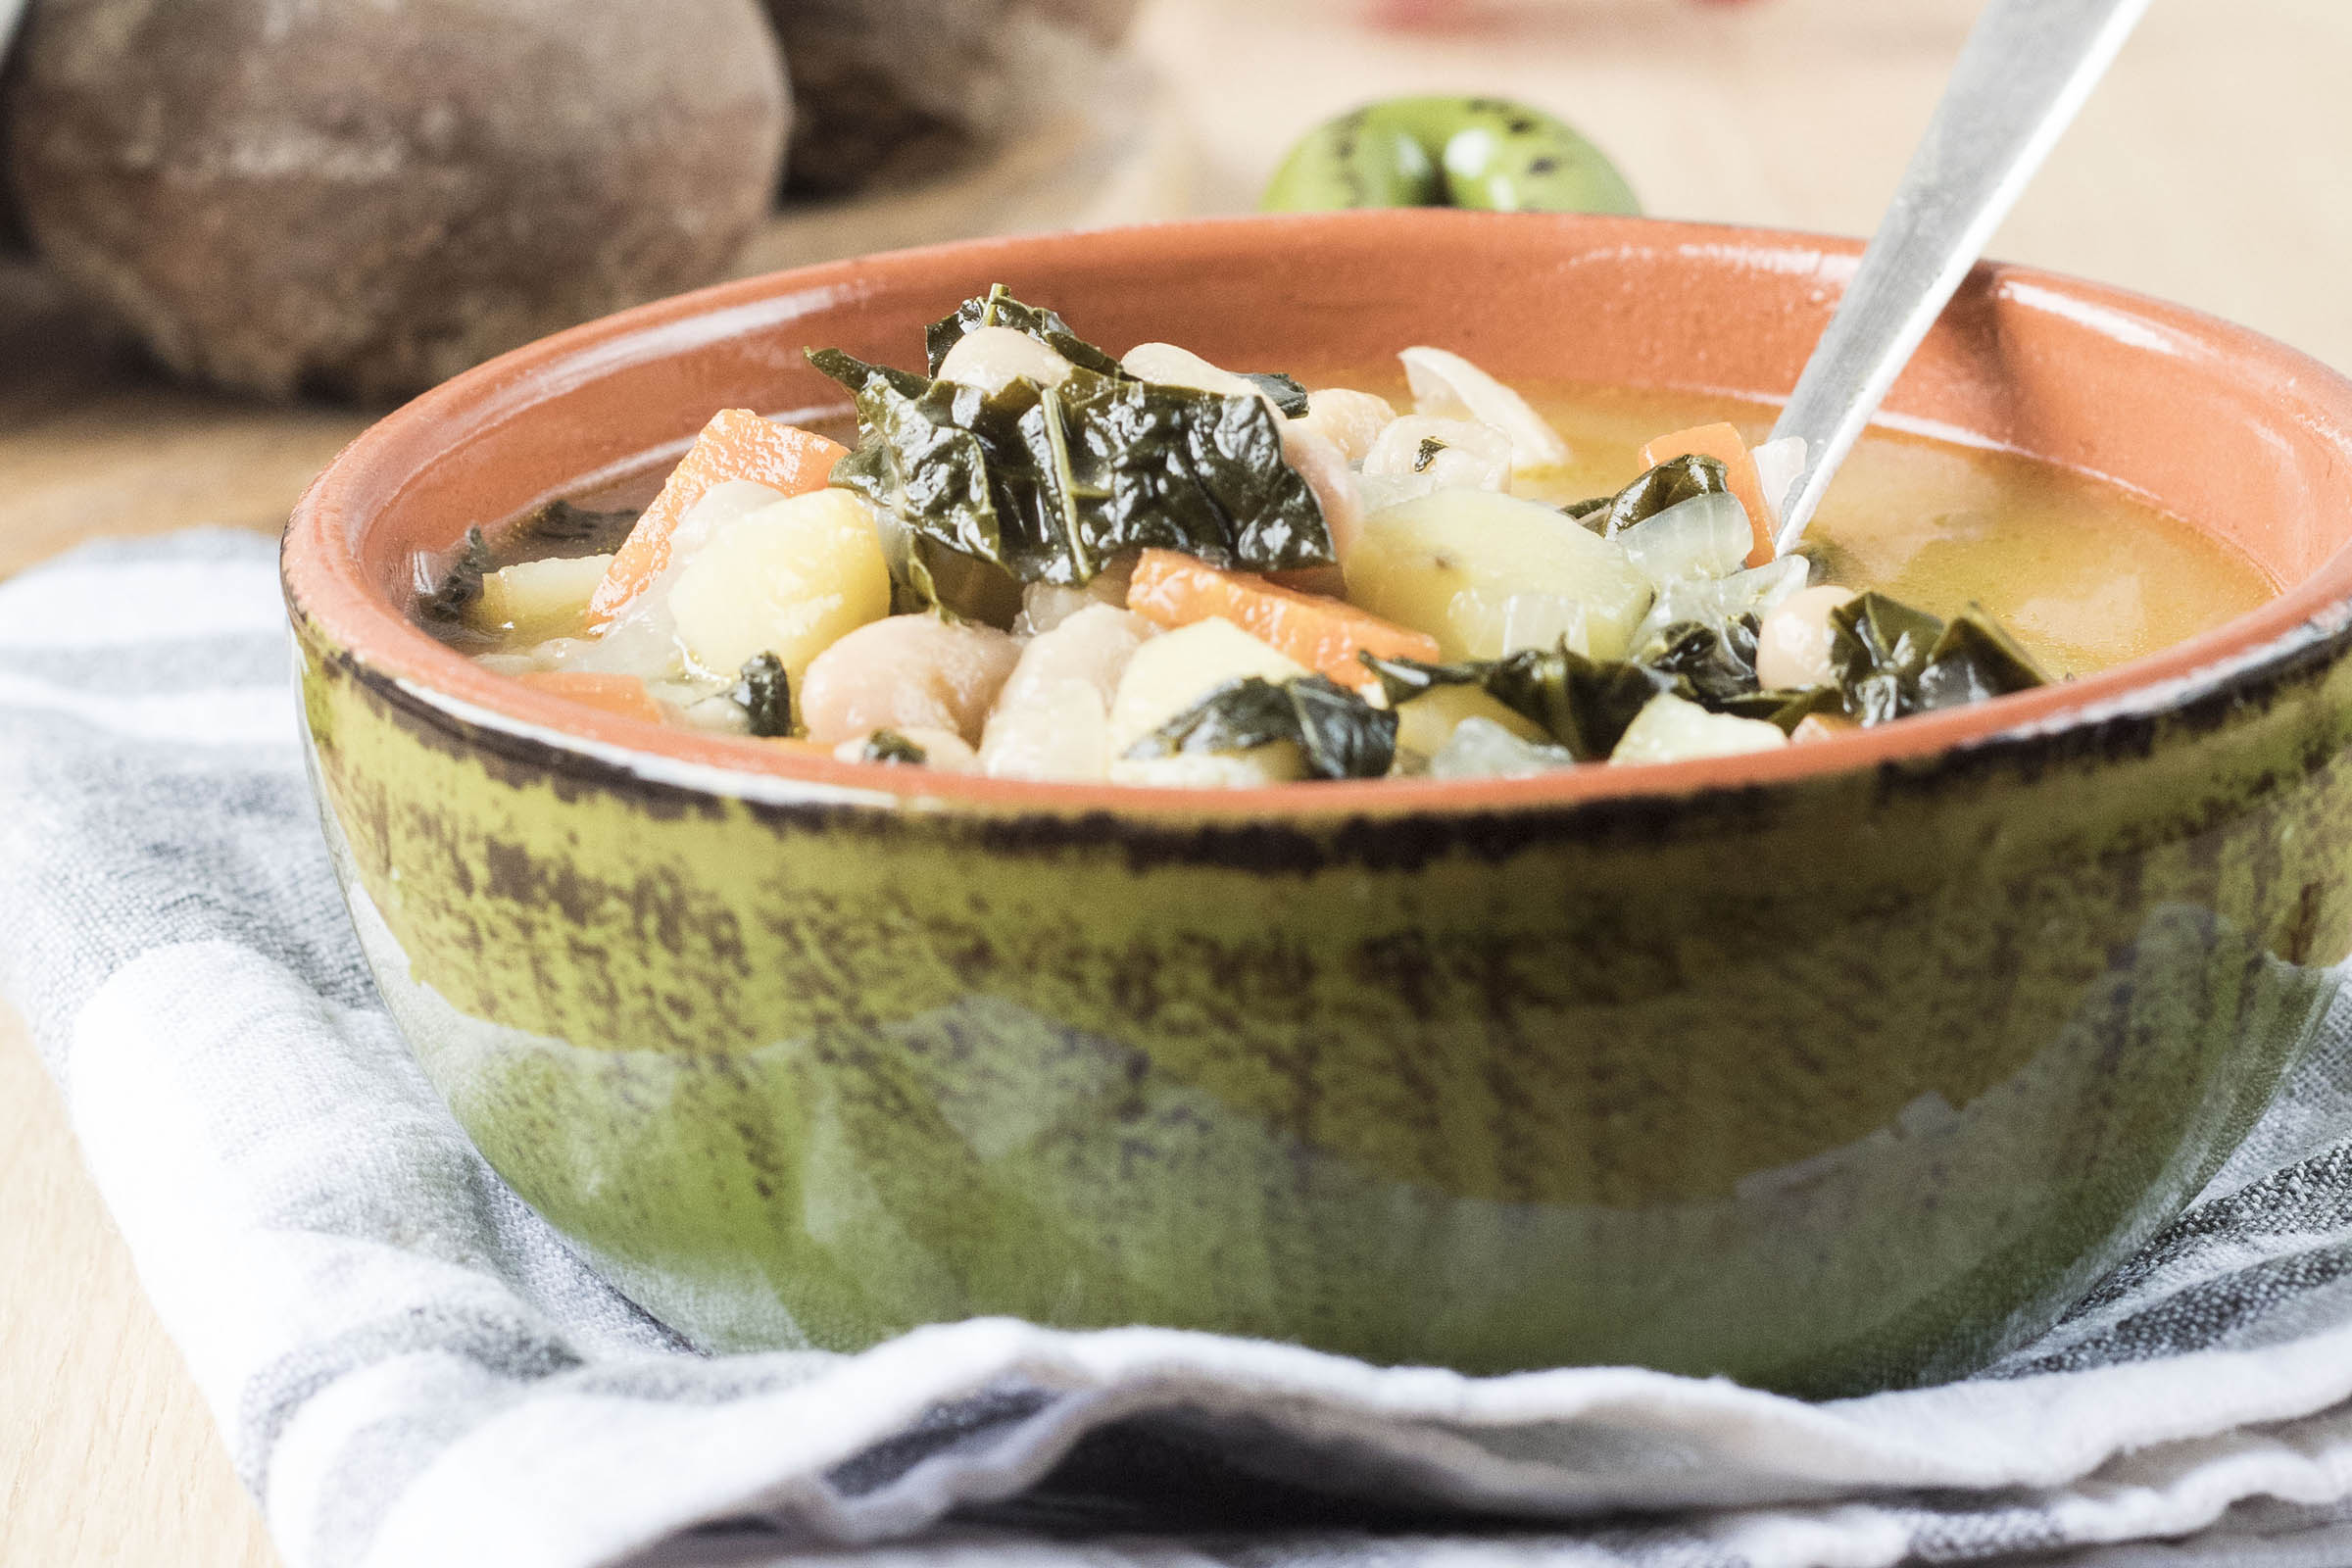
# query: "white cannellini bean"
[[1793, 644], [1445, 384], [1319, 461], [993, 357], [1348, 420], [1060, 732], [1170, 365], [905, 673], [1442, 454], [1052, 718], [1092, 648]]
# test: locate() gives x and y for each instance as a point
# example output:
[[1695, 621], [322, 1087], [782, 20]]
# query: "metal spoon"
[[2025, 69]]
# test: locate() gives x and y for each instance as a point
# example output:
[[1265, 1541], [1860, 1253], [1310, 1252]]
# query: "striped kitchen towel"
[[409, 1368]]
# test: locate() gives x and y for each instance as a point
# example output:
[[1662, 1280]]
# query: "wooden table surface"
[[2205, 170]]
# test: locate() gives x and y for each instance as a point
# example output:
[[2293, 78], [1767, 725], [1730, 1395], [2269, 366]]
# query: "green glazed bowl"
[[1828, 1069]]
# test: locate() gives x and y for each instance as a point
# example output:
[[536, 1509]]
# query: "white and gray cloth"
[[410, 1369]]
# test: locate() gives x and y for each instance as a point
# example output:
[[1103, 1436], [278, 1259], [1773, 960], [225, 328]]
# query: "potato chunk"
[[532, 601], [1427, 723], [1669, 729], [791, 579], [1487, 574], [1169, 674]]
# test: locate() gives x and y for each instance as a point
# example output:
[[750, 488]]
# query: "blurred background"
[[232, 228]]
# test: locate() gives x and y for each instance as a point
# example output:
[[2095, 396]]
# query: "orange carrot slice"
[[624, 695], [1323, 634], [1722, 443], [737, 444]]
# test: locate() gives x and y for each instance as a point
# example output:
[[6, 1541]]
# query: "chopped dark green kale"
[[1583, 704], [1975, 658], [1050, 482], [1892, 661], [888, 746], [1289, 396], [1666, 485], [461, 586], [998, 308], [1340, 734], [575, 530], [1586, 704], [765, 694]]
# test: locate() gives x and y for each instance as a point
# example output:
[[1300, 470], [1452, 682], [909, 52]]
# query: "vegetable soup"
[[1038, 561]]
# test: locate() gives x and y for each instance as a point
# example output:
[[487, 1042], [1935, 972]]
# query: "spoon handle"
[[2025, 69]]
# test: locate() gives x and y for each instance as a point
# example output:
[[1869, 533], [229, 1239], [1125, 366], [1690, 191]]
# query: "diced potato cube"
[[1170, 674], [1487, 574], [1669, 729], [535, 599], [1427, 723], [789, 578]]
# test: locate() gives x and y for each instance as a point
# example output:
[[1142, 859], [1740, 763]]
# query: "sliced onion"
[[1704, 537]]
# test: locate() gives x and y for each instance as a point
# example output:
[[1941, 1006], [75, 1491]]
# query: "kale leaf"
[[1666, 485], [1975, 658], [765, 694], [998, 308], [1288, 395], [461, 586], [1892, 661], [1050, 482], [1586, 704], [1583, 704], [1340, 734], [888, 746]]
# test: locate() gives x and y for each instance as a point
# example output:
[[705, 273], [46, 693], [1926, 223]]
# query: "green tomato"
[[1487, 153]]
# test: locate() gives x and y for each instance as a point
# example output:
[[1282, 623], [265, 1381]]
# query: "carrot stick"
[[624, 695], [737, 444], [1722, 443], [1323, 634]]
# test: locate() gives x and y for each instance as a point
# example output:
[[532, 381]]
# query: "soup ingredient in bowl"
[[736, 445], [907, 672], [791, 579], [1486, 574], [1052, 482], [1323, 633], [1052, 719], [1044, 562]]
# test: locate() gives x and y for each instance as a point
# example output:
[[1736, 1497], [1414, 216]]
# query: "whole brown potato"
[[11, 231], [891, 87], [358, 198]]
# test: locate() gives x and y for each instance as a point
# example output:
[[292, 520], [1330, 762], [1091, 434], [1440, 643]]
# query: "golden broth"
[[2085, 576], [2082, 573]]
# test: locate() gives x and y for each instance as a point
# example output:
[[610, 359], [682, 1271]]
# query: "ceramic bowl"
[[1832, 1069]]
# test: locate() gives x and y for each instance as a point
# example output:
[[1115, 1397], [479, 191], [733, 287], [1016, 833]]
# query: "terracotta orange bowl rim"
[[325, 581]]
